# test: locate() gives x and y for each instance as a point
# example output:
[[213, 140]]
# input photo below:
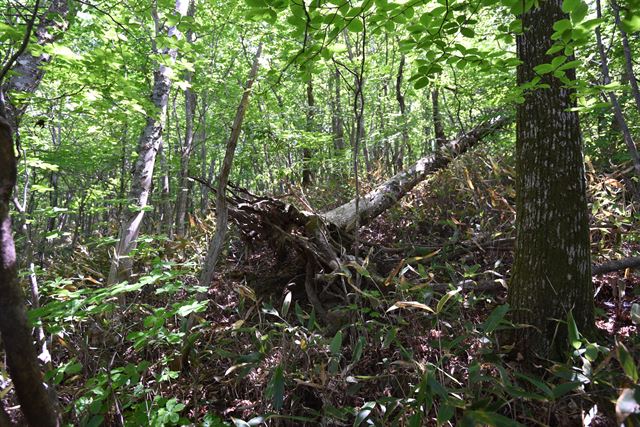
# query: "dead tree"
[[323, 241], [387, 194]]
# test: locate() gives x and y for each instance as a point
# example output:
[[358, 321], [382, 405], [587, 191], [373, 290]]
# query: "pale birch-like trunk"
[[362, 210], [27, 72], [148, 145]]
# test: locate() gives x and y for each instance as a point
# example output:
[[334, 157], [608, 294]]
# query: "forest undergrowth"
[[421, 348]]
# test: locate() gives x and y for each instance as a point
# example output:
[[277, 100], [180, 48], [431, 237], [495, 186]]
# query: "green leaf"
[[557, 61], [631, 23], [443, 301], [336, 344], [627, 362], [543, 68], [445, 413], [574, 335], [569, 5], [421, 82], [570, 64], [473, 418], [467, 32], [564, 388], [494, 319], [591, 23], [562, 25], [555, 48], [579, 13], [10, 32], [357, 352], [355, 26], [194, 307], [537, 383], [276, 387], [364, 413]]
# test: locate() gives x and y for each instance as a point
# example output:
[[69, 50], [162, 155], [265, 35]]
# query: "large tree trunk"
[[14, 326], [148, 145], [552, 268], [387, 194]]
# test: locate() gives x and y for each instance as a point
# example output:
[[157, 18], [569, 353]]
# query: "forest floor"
[[401, 354]]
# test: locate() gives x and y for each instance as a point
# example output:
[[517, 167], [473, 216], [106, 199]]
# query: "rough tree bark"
[[388, 193], [148, 145], [215, 246], [14, 326], [551, 274]]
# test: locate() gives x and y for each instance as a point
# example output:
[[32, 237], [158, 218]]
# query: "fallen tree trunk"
[[494, 286], [388, 193], [323, 241], [609, 266]]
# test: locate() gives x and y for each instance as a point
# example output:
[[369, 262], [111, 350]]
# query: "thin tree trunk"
[[551, 274], [215, 246], [438, 129], [337, 121], [148, 145], [165, 220], [622, 122], [628, 60], [307, 175], [399, 160], [185, 157], [187, 147]]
